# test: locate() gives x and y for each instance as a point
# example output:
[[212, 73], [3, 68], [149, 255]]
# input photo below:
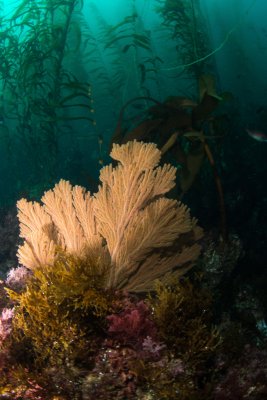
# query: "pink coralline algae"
[[132, 325], [152, 348], [5, 323], [17, 277]]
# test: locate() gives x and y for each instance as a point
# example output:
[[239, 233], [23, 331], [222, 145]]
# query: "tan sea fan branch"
[[144, 235]]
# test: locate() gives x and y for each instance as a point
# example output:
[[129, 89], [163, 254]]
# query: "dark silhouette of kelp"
[[182, 128], [41, 93]]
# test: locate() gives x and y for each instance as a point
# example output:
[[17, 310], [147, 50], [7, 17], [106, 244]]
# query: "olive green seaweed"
[[61, 307]]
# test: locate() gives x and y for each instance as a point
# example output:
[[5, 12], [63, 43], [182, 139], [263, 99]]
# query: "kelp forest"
[[64, 115], [132, 225]]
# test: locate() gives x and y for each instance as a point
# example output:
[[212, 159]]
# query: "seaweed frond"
[[183, 315], [62, 305]]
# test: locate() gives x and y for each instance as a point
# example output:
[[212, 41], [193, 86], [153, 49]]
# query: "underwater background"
[[189, 75]]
